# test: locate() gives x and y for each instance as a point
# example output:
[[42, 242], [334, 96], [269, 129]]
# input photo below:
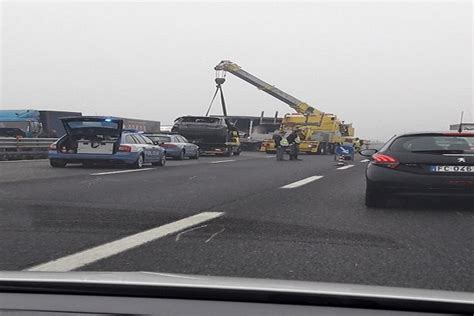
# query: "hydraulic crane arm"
[[298, 105]]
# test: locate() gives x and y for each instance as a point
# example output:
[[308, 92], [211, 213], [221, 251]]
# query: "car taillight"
[[384, 160], [125, 148], [53, 146]]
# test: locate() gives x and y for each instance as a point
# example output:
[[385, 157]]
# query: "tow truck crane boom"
[[298, 105], [319, 132]]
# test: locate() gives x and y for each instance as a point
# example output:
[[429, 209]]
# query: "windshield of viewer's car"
[[318, 140]]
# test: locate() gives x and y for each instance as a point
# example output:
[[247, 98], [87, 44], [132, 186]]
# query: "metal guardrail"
[[24, 148]]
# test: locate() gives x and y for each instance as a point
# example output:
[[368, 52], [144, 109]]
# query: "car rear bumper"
[[309, 147], [212, 153], [395, 182], [212, 150], [120, 157], [173, 152]]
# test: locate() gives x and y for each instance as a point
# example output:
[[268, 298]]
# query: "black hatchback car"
[[421, 164]]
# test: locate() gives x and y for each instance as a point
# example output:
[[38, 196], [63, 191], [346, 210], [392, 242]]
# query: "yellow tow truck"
[[319, 132], [322, 133]]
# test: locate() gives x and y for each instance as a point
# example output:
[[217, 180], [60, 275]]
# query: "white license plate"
[[466, 169]]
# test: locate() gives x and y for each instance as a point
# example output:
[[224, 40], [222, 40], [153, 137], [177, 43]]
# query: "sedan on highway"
[[421, 164], [176, 146], [91, 140]]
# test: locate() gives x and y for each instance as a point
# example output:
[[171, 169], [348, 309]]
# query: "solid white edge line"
[[221, 161], [301, 182], [345, 167], [119, 171], [107, 250]]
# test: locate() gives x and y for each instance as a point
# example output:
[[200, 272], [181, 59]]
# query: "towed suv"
[[213, 135], [91, 139]]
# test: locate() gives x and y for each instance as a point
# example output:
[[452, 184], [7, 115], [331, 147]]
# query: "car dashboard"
[[134, 293]]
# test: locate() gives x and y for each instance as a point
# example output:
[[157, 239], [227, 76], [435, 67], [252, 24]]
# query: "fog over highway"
[[386, 67]]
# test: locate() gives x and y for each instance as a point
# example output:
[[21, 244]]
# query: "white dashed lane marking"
[[119, 171], [222, 161], [345, 167], [80, 259], [301, 182]]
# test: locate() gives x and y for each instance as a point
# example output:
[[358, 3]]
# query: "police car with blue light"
[[93, 139]]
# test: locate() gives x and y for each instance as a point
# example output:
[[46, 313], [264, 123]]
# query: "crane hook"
[[220, 81]]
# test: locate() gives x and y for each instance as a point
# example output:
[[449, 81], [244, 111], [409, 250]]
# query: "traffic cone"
[[341, 161]]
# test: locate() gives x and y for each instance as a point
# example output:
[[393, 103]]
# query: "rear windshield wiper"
[[439, 151]]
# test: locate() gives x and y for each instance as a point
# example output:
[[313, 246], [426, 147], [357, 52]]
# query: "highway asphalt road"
[[247, 216]]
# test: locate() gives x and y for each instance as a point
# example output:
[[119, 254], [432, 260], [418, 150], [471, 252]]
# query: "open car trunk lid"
[[93, 135], [92, 126]]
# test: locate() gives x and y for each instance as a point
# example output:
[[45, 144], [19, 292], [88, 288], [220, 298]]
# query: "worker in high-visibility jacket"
[[294, 141], [280, 145], [358, 144]]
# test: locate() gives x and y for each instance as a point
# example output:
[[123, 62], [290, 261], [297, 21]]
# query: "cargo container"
[[33, 123], [47, 124], [141, 125]]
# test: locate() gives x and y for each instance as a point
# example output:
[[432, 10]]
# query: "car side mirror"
[[368, 152], [156, 142]]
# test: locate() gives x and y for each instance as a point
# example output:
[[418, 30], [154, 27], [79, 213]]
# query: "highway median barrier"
[[24, 148]]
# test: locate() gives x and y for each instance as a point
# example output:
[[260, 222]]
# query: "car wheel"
[[57, 163], [322, 149], [374, 198], [139, 162], [196, 156], [181, 155], [161, 162]]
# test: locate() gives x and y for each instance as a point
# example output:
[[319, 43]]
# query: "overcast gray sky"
[[387, 67]]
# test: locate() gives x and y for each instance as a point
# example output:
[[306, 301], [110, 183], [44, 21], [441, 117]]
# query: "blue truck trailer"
[[47, 124], [33, 123]]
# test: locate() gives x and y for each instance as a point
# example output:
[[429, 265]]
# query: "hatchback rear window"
[[92, 124], [430, 143], [161, 139]]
